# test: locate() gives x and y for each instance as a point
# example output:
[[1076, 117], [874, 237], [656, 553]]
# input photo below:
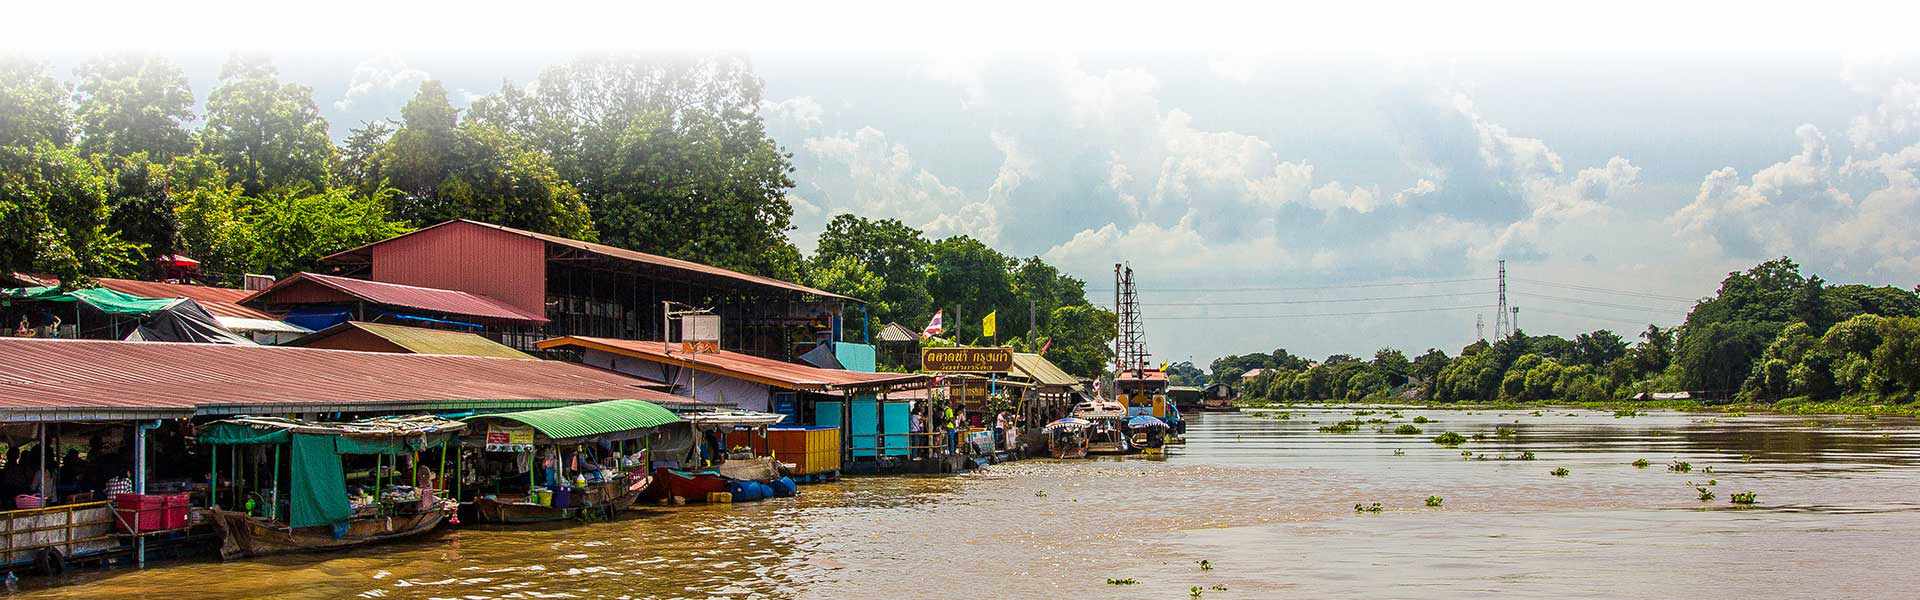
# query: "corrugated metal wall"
[[462, 256]]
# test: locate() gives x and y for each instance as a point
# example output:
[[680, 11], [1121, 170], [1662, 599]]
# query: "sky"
[[1321, 182]]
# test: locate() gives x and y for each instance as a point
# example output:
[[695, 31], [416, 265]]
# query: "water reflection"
[[1268, 502]]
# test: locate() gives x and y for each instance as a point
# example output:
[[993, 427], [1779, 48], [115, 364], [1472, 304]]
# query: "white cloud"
[[380, 85], [795, 116]]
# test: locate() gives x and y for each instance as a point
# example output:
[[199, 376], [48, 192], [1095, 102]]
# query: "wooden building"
[[588, 289]]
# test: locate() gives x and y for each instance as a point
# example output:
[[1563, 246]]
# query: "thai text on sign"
[[507, 438], [966, 360]]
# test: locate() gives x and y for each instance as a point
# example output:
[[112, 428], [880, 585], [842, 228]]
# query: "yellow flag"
[[986, 325]]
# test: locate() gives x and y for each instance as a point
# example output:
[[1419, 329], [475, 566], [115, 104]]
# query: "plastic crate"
[[156, 512]]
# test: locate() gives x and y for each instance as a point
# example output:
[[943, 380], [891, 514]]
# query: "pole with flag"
[[934, 327], [987, 327], [1045, 346]]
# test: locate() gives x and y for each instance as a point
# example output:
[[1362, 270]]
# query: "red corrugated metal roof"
[[91, 376], [452, 302], [739, 366], [621, 254], [222, 302]]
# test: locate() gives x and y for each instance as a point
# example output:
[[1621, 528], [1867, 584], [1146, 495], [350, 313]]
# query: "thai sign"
[[966, 360], [508, 438]]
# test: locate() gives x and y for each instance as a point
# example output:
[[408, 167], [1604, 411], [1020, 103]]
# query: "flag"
[[933, 327], [986, 325], [1044, 346]]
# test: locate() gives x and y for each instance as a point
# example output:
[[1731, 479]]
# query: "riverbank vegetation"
[[1770, 339], [662, 154]]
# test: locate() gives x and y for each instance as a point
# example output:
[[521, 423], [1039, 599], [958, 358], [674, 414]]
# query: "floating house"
[[573, 287], [871, 409]]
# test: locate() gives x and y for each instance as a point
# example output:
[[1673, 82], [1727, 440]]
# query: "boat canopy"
[[1067, 423], [384, 435], [728, 418], [1146, 422], [588, 420], [317, 490]]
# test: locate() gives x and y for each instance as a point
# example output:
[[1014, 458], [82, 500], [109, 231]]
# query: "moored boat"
[[586, 461], [1067, 438]]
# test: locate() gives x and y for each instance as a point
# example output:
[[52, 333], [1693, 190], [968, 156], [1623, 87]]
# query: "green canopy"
[[585, 420], [106, 300], [317, 494]]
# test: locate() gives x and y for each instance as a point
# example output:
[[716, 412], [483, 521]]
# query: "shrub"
[[1449, 439], [1405, 429]]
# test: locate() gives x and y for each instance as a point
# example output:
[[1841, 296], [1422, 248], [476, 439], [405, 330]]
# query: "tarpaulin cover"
[[319, 491], [318, 317], [234, 433], [185, 321], [103, 299], [352, 445]]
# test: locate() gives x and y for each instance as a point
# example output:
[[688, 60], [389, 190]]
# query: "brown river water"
[[1267, 502]]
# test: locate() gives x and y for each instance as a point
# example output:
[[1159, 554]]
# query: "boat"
[[246, 536], [315, 511], [1108, 435], [690, 486], [1147, 432], [1067, 438], [1219, 397], [593, 457]]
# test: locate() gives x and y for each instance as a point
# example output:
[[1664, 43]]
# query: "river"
[[1268, 503]]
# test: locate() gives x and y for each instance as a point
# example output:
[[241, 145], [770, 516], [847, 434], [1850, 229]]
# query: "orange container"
[[812, 450]]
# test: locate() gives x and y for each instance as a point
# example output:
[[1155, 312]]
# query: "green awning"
[[106, 300], [585, 420]]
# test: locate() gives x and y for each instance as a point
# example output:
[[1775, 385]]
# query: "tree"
[[1082, 339], [498, 179], [131, 103], [421, 155], [670, 154], [290, 231], [971, 276], [359, 166], [266, 134], [1655, 350], [138, 204], [1393, 366], [1184, 373], [53, 214], [891, 250], [847, 277], [1718, 356], [210, 213], [1598, 348], [1896, 361], [33, 105], [1427, 367], [1043, 288]]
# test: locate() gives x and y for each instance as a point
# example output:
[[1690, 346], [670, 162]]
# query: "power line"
[[1296, 288], [1587, 316], [1319, 301], [1595, 288], [1597, 303], [1333, 314]]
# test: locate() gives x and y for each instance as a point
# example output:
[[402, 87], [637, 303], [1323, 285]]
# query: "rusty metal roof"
[[44, 379], [222, 302], [419, 340], [452, 302], [780, 374], [618, 254]]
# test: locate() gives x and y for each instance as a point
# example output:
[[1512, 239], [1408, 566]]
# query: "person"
[[918, 425], [25, 329]]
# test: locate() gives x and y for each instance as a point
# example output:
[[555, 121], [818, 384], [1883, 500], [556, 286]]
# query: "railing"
[[74, 529]]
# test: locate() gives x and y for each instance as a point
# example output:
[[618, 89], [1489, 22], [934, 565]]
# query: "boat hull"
[[605, 500], [243, 536]]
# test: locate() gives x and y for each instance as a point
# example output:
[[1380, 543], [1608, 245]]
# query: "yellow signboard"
[[509, 438], [966, 360]]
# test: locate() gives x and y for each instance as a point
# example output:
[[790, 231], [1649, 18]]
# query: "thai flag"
[[933, 327]]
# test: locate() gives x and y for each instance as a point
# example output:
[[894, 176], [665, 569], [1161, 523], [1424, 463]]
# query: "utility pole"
[[1501, 326], [1516, 319], [1480, 327], [1031, 328]]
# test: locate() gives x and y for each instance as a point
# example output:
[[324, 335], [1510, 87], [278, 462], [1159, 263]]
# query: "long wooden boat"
[[242, 535], [1067, 447]]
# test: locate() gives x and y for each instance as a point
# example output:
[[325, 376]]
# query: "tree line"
[[1769, 333], [662, 154]]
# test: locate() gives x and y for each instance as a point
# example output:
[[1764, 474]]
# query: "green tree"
[[1184, 373], [1082, 339], [359, 166], [210, 214], [1718, 356], [1393, 366], [139, 207], [972, 277], [1896, 361], [266, 134], [33, 105], [133, 103], [670, 154], [1598, 348], [422, 154], [498, 179], [53, 214], [892, 250], [847, 277], [289, 230]]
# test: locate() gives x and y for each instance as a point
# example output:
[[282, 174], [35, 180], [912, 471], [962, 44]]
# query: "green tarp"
[[106, 300], [319, 493], [238, 434]]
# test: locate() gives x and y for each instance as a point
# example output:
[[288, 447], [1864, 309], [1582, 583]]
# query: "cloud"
[[380, 85], [792, 117], [867, 174]]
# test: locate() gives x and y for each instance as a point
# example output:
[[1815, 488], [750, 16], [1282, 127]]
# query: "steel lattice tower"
[[1502, 327], [1128, 347]]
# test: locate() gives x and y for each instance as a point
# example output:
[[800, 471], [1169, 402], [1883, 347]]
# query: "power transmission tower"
[[1128, 349], [1501, 326]]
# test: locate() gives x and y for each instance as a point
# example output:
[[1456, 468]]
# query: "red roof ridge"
[[347, 285]]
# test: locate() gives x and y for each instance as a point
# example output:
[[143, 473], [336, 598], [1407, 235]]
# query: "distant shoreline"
[[1790, 406]]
